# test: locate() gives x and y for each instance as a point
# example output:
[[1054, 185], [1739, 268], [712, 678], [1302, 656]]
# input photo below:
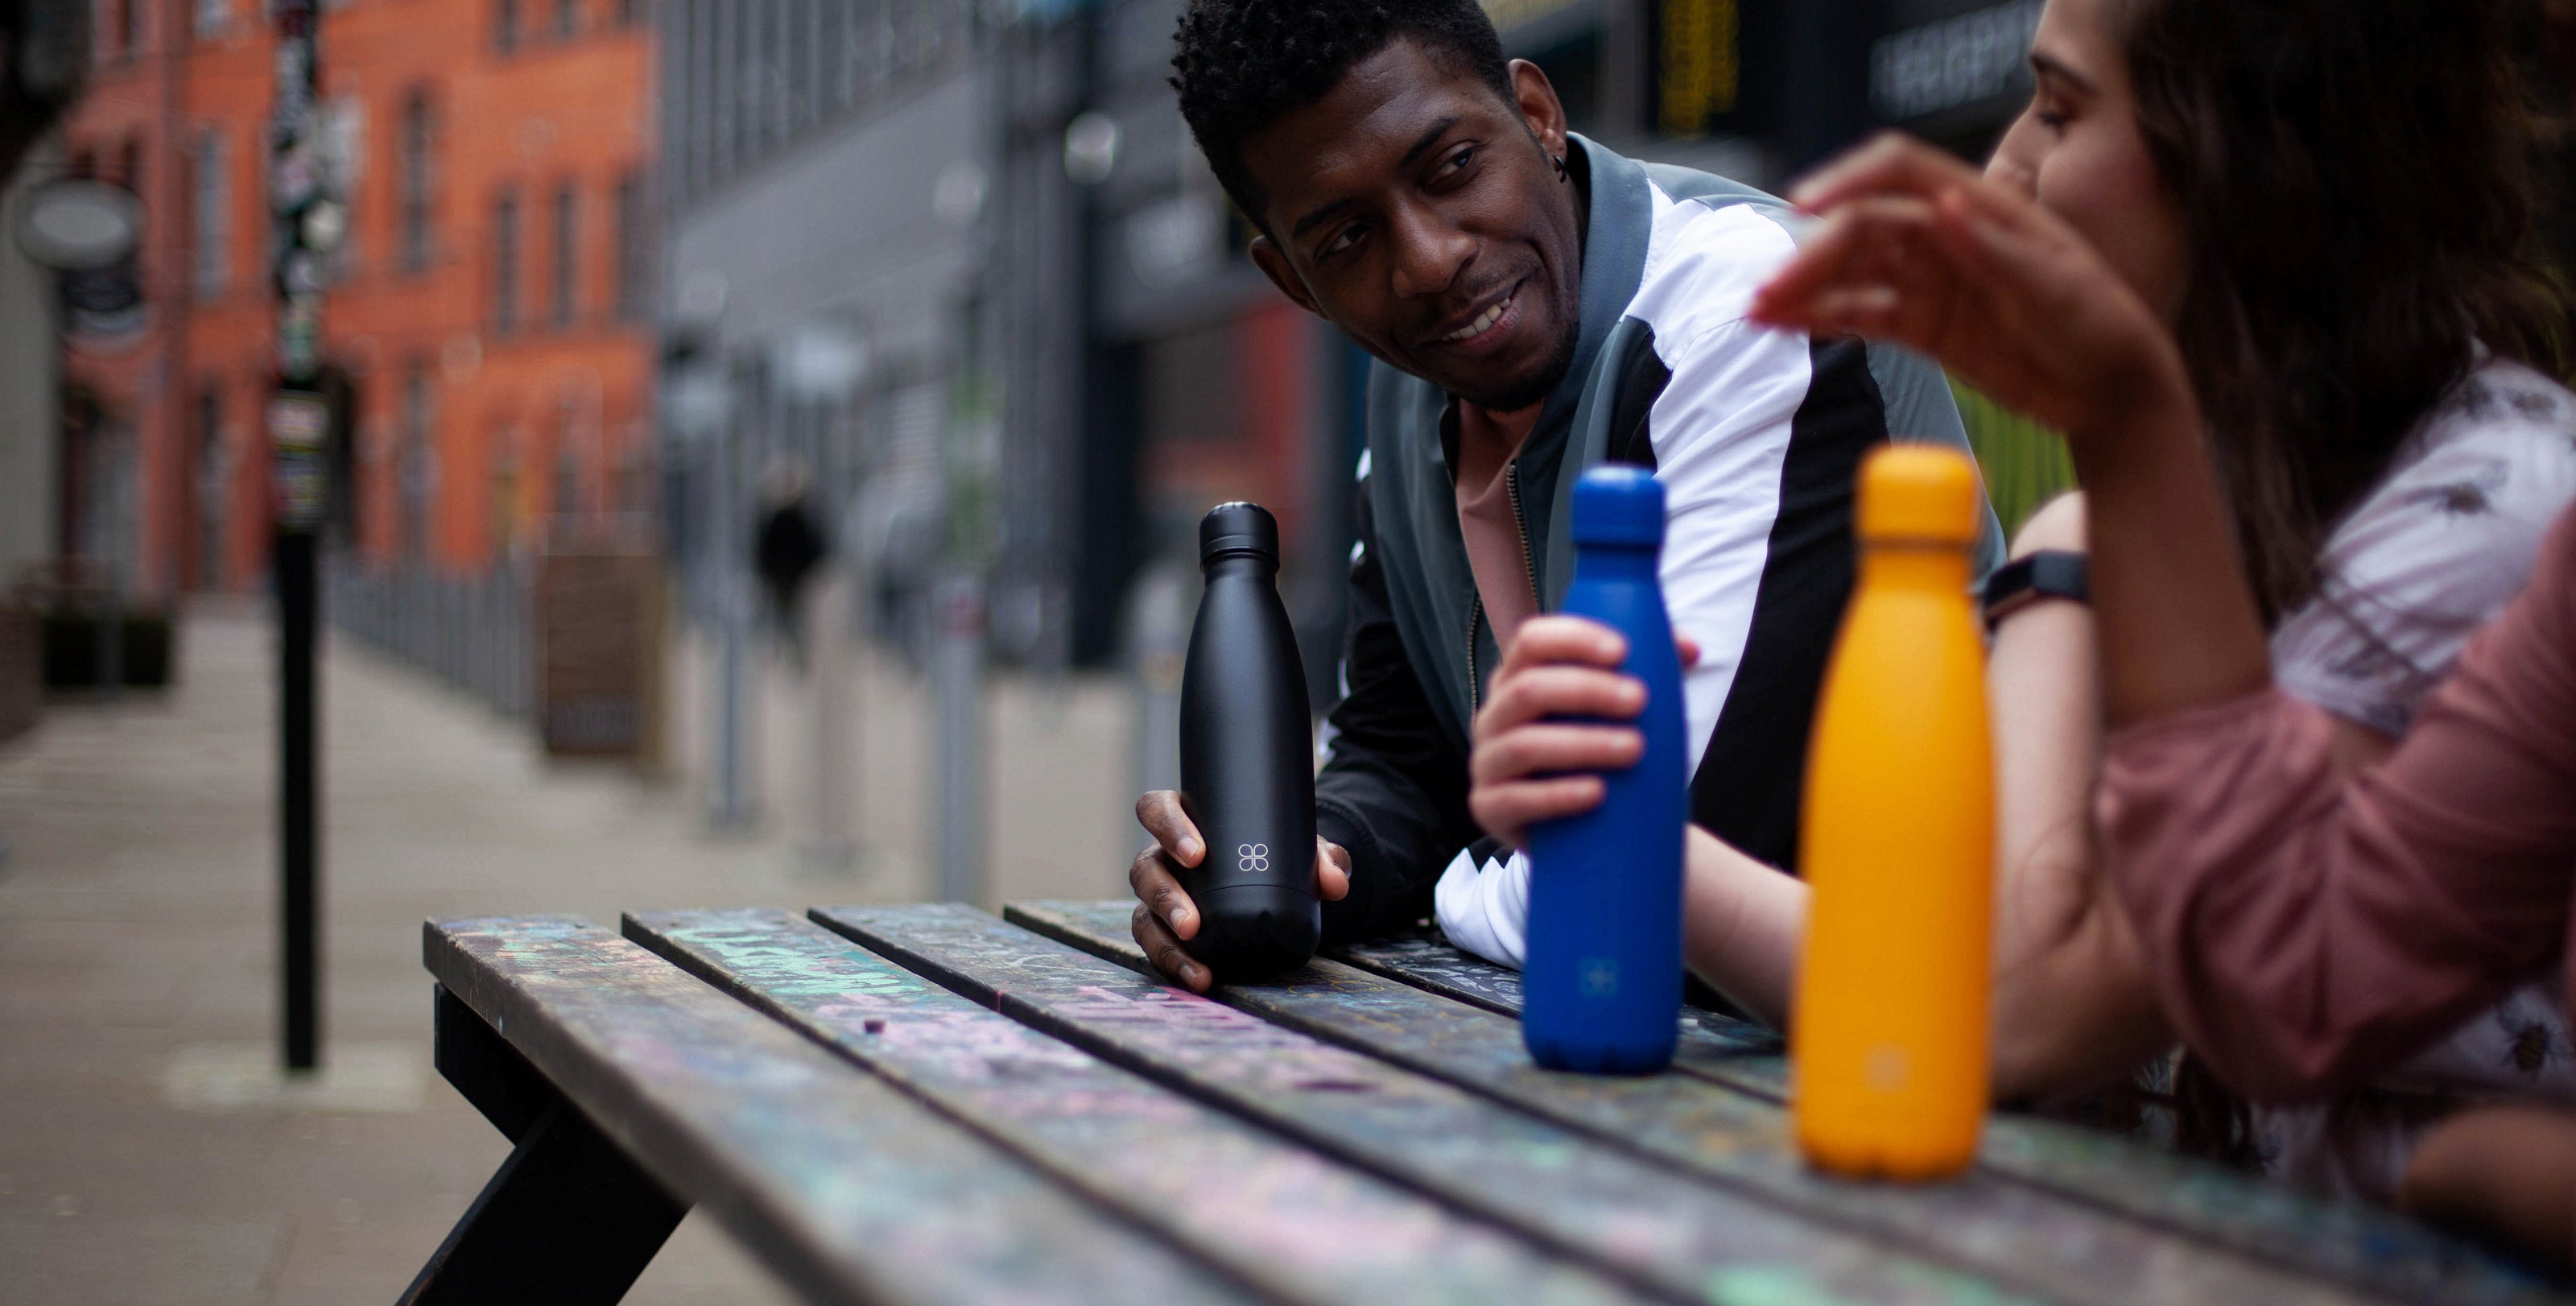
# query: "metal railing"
[[472, 632]]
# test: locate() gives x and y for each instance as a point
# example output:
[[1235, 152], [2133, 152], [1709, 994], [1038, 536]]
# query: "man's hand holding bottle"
[[1165, 917]]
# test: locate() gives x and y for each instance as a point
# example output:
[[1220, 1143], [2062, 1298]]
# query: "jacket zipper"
[[1520, 527]]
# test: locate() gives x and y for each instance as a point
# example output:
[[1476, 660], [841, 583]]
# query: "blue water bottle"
[[1602, 987]]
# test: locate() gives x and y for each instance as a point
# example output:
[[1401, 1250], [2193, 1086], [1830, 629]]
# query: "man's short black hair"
[[1241, 64]]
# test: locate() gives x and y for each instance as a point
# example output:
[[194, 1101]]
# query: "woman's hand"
[[1531, 765], [1916, 247]]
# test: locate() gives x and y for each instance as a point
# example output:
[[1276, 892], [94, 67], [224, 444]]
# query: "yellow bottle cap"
[[1920, 493]]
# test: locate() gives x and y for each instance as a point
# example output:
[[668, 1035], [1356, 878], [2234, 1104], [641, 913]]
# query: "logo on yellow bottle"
[[1887, 1068]]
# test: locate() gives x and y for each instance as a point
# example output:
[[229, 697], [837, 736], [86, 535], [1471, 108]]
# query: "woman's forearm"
[[2178, 624], [1742, 922]]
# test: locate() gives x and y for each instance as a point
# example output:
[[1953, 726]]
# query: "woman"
[[2308, 922], [2326, 205]]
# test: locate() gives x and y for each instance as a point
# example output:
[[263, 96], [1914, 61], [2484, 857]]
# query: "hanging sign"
[[299, 425]]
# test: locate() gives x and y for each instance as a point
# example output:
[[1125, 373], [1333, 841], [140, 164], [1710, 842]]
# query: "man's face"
[[1423, 214]]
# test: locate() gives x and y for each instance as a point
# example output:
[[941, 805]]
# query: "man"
[[1536, 304]]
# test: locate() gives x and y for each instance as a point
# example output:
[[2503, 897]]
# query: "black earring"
[[1559, 160]]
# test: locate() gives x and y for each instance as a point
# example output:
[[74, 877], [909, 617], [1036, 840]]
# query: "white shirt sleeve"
[[1483, 908]]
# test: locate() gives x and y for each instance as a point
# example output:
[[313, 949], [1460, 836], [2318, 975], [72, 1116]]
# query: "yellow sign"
[[1702, 71]]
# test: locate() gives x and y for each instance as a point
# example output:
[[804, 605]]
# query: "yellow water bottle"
[[1888, 1036]]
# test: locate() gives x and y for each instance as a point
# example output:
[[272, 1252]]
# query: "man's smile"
[[1486, 326]]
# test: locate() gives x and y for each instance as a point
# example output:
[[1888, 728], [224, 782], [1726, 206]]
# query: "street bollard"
[[957, 673], [826, 630], [1158, 639]]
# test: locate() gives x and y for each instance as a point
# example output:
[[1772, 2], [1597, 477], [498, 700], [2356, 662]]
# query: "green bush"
[[2025, 464]]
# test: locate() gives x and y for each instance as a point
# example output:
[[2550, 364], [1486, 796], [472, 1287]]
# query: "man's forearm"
[[1742, 924]]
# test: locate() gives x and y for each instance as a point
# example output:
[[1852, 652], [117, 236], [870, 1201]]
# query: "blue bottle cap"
[[1231, 528], [1617, 504]]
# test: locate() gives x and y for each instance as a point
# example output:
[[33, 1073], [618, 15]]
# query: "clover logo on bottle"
[[1253, 858]]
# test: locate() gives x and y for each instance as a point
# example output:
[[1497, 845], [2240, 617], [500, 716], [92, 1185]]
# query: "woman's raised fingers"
[[1866, 243]]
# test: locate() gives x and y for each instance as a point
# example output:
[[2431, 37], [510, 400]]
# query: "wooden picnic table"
[[930, 1104]]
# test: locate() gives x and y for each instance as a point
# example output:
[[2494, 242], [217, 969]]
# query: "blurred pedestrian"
[[789, 548], [1536, 304]]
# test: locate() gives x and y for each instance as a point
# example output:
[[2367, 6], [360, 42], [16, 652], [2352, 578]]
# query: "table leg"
[[567, 1219]]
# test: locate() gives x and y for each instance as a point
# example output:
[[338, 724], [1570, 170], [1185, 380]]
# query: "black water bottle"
[[1247, 758]]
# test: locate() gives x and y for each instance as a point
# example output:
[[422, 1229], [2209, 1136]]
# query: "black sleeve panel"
[[1754, 770], [1393, 789]]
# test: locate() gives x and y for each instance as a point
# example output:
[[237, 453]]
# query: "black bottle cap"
[[1238, 528]]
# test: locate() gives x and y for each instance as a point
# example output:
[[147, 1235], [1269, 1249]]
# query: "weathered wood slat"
[[1742, 1139], [1662, 1229], [846, 1188], [1277, 1215], [1749, 1051], [2358, 1243]]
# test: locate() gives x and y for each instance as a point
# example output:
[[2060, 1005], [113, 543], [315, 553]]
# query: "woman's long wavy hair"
[[2356, 188]]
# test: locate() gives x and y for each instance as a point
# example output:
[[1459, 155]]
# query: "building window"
[[634, 273], [121, 36], [212, 209], [717, 77], [213, 484], [682, 52], [505, 25], [831, 47], [505, 261], [129, 165], [412, 182], [629, 12], [746, 83], [799, 58], [414, 463], [877, 44], [567, 253], [567, 473], [210, 18], [567, 19]]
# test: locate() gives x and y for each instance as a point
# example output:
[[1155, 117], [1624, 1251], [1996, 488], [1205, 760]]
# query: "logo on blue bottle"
[[1599, 977]]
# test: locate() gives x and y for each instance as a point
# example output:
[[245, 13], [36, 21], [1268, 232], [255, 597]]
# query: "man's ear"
[[1536, 98], [1273, 263]]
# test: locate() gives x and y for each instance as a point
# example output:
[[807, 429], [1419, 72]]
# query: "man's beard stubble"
[[1540, 383]]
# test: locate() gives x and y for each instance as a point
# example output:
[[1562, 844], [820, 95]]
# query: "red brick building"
[[492, 301]]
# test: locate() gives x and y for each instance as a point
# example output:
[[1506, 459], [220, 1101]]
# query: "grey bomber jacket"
[[1757, 436]]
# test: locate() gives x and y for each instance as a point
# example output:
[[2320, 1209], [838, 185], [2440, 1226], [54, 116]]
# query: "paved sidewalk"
[[137, 978]]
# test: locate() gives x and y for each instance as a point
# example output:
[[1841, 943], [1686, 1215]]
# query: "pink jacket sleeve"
[[2306, 931]]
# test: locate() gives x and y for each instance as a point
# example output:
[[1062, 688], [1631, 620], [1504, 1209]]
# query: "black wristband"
[[2047, 574]]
